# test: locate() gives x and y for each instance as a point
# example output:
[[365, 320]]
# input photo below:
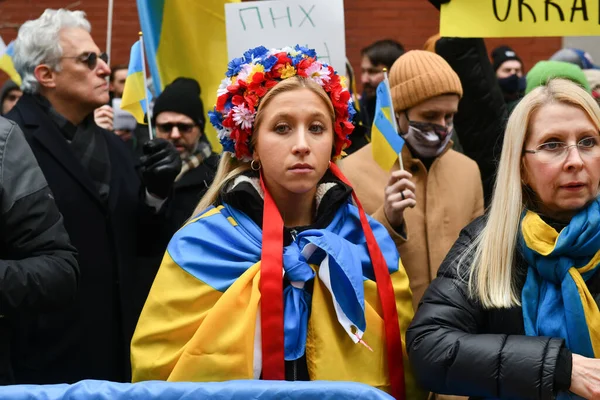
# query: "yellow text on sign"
[[515, 18]]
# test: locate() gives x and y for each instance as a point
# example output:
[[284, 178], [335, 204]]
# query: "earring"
[[253, 166]]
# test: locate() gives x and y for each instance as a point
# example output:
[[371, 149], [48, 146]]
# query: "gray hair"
[[38, 43]]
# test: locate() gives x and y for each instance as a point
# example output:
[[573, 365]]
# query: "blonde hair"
[[229, 166], [491, 278]]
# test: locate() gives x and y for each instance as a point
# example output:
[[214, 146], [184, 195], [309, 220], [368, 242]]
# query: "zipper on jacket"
[[294, 234]]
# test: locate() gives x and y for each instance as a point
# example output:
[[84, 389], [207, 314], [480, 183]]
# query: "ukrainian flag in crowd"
[[186, 38], [386, 143], [6, 62], [135, 90]]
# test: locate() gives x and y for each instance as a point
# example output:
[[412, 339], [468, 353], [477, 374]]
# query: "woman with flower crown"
[[281, 274]]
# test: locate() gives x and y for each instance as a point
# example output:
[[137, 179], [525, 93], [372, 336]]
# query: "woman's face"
[[563, 182], [294, 142]]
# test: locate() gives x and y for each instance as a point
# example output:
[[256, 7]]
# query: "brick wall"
[[409, 21]]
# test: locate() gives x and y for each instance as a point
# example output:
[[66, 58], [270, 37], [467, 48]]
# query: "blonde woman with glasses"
[[513, 313]]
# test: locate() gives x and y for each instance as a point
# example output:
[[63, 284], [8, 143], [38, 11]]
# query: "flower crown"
[[250, 77]]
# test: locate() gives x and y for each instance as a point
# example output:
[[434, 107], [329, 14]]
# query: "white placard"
[[317, 24]]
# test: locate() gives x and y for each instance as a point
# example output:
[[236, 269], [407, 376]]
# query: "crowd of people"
[[471, 268]]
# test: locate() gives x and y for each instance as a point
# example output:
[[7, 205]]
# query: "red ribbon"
[[271, 291], [393, 340], [271, 288]]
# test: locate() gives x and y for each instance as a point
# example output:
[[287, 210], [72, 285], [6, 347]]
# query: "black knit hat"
[[501, 54], [181, 96]]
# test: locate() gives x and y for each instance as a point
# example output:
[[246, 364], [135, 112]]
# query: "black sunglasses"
[[181, 127], [91, 59]]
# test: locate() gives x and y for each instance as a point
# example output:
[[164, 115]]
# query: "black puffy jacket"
[[38, 264], [458, 347]]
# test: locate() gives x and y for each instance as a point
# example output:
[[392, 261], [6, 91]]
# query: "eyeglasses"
[[181, 127], [552, 152], [91, 59]]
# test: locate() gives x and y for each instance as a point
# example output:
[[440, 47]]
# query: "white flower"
[[223, 86], [244, 72], [243, 117], [318, 73], [224, 133]]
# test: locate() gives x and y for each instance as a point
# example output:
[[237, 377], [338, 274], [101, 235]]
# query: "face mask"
[[512, 84], [427, 140]]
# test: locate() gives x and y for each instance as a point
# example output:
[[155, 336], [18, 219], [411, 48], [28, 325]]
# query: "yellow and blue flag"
[[155, 390], [386, 143], [135, 90], [6, 61], [186, 38]]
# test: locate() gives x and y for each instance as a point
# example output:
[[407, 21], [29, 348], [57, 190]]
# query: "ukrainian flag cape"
[[556, 300], [201, 321]]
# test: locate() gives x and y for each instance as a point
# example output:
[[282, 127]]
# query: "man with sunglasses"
[[179, 118], [113, 212]]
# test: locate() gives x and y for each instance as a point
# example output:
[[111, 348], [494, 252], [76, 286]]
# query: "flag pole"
[[109, 28], [393, 116], [148, 108]]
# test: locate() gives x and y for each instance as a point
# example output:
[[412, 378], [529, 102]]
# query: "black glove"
[[438, 3], [160, 166]]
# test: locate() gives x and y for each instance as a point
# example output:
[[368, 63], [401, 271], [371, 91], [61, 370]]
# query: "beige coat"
[[449, 196]]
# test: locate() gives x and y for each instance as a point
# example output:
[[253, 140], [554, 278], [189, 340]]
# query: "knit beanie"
[[543, 71], [181, 96], [502, 54], [574, 56], [419, 75]]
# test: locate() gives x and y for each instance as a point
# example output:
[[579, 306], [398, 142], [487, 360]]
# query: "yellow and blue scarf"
[[556, 300]]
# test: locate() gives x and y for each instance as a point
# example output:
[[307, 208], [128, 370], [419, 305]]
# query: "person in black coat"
[[513, 312], [38, 264], [112, 212], [178, 116]]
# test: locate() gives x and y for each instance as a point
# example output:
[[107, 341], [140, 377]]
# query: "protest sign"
[[520, 18], [317, 24]]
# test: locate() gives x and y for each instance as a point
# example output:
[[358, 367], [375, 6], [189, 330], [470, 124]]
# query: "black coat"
[[90, 339], [37, 263], [189, 189], [458, 347], [482, 111]]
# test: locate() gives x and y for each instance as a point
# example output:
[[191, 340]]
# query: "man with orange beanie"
[[425, 205]]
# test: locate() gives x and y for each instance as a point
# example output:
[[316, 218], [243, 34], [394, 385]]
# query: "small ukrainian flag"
[[6, 61], [386, 143], [136, 94]]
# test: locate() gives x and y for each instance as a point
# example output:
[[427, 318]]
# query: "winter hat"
[[419, 75], [543, 71], [181, 96], [502, 54], [575, 56], [430, 43]]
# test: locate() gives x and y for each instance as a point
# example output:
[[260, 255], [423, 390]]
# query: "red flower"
[[237, 100]]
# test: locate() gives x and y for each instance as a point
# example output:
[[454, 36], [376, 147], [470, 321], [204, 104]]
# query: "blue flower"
[[297, 59], [306, 50], [351, 110], [234, 66], [269, 62], [216, 118], [255, 53], [228, 145]]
